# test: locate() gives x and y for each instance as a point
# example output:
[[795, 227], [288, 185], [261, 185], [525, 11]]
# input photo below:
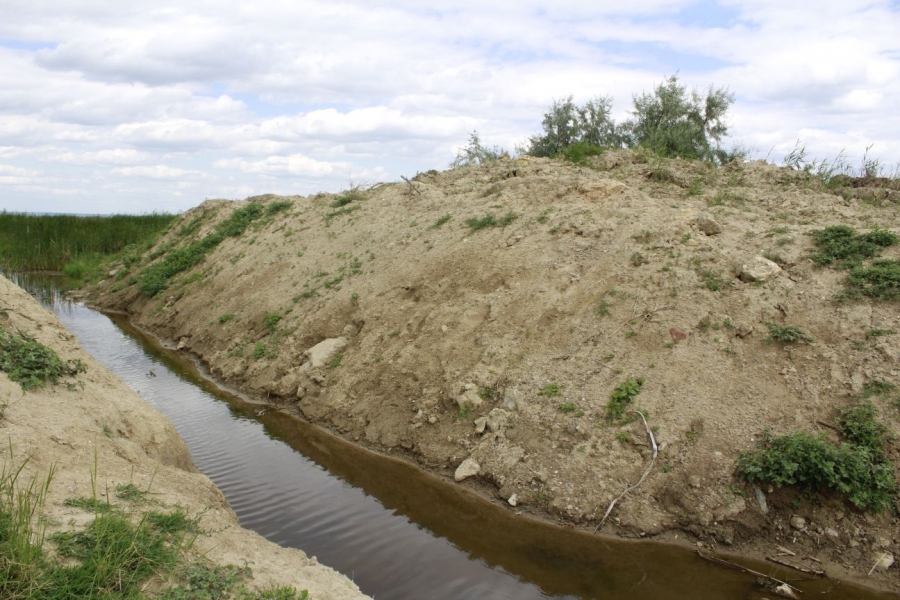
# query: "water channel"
[[397, 532]]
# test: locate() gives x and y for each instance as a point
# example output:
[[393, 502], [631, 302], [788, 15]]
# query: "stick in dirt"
[[644, 476]]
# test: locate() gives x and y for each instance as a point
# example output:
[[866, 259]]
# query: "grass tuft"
[[491, 220]]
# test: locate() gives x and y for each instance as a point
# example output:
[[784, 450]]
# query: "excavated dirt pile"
[[479, 320]]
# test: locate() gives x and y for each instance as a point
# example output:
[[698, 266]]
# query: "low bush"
[[786, 334], [476, 153], [843, 246], [491, 220], [880, 280], [271, 320], [31, 364], [812, 463], [622, 397]]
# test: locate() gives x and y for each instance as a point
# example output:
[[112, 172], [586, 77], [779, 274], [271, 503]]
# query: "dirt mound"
[[490, 312]]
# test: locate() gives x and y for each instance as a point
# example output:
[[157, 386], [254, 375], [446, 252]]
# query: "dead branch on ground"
[[643, 476]]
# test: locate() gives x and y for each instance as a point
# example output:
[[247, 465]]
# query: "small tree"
[[567, 124], [474, 153], [673, 122]]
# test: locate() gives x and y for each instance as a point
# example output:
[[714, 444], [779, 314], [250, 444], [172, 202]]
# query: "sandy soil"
[[602, 272], [106, 428]]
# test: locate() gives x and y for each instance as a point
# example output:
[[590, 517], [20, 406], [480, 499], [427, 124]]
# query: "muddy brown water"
[[397, 532]]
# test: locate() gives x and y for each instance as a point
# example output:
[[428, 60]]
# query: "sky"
[[155, 106]]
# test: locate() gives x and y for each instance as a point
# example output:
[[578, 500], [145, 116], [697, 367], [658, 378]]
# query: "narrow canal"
[[398, 533]]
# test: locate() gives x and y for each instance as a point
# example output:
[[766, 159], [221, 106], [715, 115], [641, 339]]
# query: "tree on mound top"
[[674, 123], [567, 124], [671, 121]]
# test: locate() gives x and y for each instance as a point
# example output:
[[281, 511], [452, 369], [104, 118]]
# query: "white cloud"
[[156, 172], [115, 156], [295, 164], [140, 99]]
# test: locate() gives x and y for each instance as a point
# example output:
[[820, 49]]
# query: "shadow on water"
[[397, 532]]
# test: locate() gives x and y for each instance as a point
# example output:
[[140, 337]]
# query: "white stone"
[[496, 419], [468, 468], [759, 269], [885, 561], [513, 500], [469, 398], [480, 424], [324, 352]]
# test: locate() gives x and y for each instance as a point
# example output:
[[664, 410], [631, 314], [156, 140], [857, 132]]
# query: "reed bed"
[[51, 242]]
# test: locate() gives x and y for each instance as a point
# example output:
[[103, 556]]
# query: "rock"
[[759, 269], [496, 419], [743, 330], [513, 500], [182, 343], [677, 335], [480, 424], [694, 481], [832, 533], [885, 561], [324, 352], [761, 500], [468, 468], [707, 224], [469, 398], [432, 419], [798, 523], [785, 591]]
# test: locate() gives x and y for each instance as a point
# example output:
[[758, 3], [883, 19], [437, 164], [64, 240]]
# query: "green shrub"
[[860, 425], [787, 334], [842, 245], [31, 364], [476, 153], [579, 152], [880, 280], [622, 397], [550, 390], [674, 123], [567, 125], [260, 350], [440, 221], [491, 220], [812, 463], [271, 320], [225, 318], [670, 122], [278, 206]]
